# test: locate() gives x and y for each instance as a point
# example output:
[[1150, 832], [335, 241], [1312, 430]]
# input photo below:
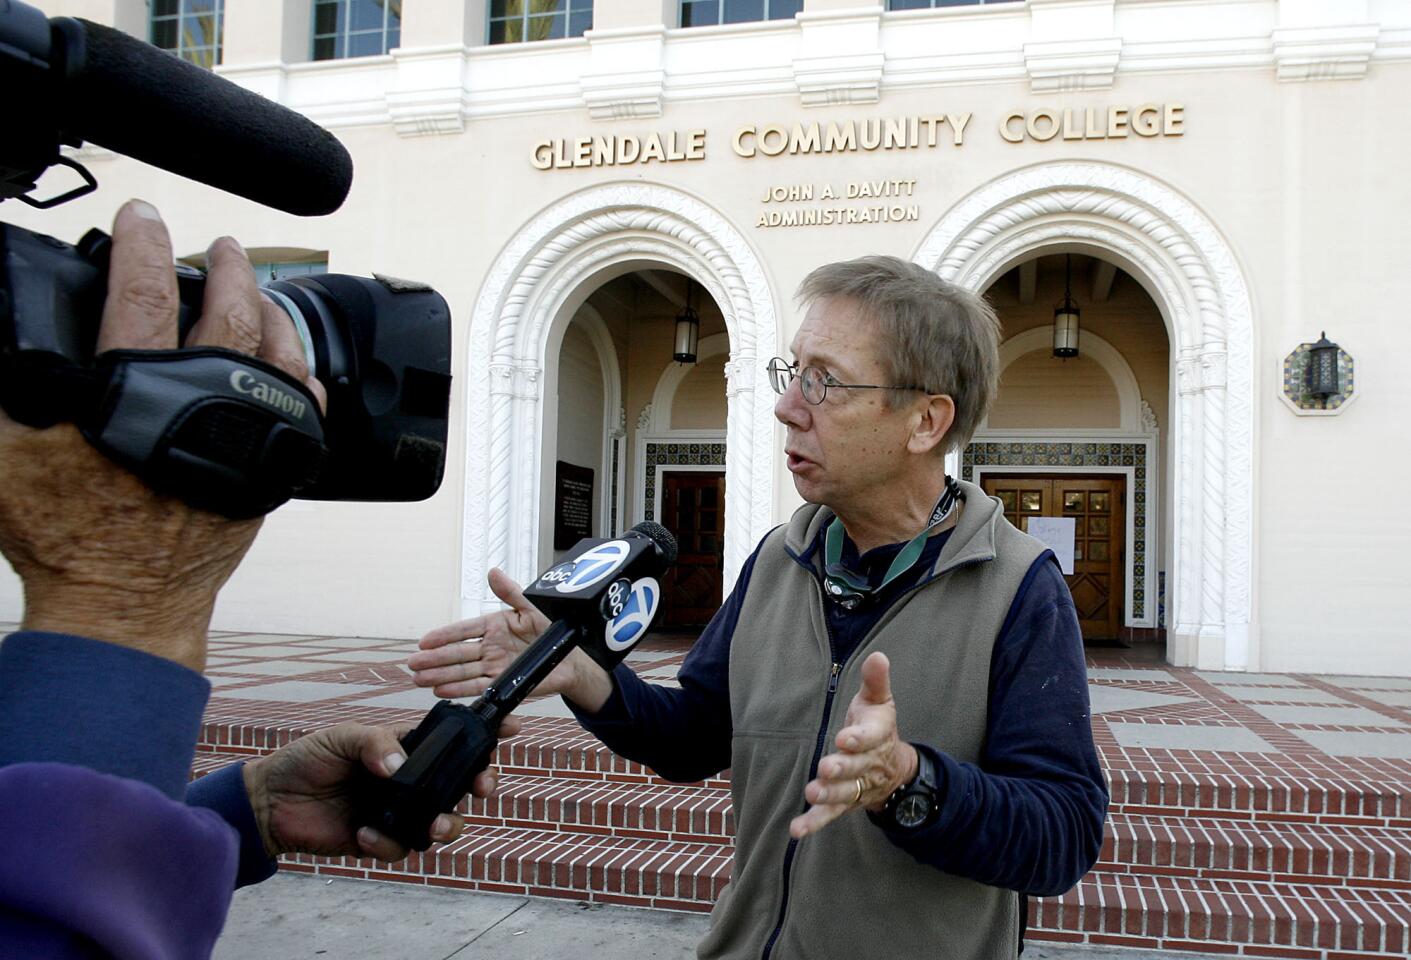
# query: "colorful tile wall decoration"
[[676, 453]]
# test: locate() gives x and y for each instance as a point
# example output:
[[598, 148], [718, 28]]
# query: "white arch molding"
[[1095, 348], [536, 282], [1189, 269]]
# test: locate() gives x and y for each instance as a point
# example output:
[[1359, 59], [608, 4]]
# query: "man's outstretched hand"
[[871, 762], [463, 658]]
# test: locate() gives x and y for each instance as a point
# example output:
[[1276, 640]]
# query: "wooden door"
[[693, 509], [1097, 505]]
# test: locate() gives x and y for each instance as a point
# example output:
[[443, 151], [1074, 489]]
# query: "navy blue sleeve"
[[1029, 816], [98, 705], [223, 793], [684, 735]]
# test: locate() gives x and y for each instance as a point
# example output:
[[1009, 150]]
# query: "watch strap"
[[924, 780]]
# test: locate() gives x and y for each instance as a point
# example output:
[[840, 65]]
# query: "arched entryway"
[[535, 287], [1164, 241]]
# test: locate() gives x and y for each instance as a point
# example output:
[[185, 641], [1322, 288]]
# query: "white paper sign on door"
[[1058, 533]]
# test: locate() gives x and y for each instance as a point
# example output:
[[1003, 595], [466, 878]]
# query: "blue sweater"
[[1028, 817]]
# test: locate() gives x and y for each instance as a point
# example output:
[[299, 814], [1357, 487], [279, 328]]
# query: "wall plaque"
[[573, 504]]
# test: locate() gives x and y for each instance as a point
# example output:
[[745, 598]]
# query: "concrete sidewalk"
[[298, 916]]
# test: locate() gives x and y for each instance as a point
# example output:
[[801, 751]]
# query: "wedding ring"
[[858, 798]]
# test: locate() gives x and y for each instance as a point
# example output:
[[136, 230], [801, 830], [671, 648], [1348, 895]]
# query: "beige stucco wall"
[[700, 399], [579, 422], [1038, 390], [1304, 181]]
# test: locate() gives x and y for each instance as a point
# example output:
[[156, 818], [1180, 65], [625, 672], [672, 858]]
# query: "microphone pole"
[[604, 600]]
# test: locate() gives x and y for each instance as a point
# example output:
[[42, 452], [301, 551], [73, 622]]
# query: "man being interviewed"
[[899, 592]]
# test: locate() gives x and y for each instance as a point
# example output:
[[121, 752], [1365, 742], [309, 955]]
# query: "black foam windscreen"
[[129, 96], [661, 536]]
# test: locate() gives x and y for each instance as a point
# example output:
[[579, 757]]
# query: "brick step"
[[1249, 918], [209, 761], [547, 745], [1248, 850], [657, 811], [647, 810], [665, 874], [1262, 797]]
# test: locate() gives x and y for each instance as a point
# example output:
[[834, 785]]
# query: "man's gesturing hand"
[[871, 762], [100, 554], [302, 794], [462, 659]]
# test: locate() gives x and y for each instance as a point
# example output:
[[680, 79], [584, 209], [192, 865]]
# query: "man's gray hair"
[[933, 334]]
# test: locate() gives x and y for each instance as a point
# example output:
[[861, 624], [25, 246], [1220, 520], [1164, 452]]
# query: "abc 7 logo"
[[616, 598]]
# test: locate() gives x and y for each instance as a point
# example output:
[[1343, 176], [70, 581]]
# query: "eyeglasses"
[[814, 383]]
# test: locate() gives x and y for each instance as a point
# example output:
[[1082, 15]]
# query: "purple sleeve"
[[97, 865], [102, 857]]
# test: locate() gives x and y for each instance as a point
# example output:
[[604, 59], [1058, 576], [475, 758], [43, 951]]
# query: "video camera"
[[223, 431]]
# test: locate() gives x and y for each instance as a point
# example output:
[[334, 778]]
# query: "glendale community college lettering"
[[869, 134]]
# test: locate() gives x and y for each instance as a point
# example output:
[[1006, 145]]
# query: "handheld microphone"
[[603, 599], [101, 85]]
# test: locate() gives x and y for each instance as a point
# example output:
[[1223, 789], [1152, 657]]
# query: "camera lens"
[[301, 326]]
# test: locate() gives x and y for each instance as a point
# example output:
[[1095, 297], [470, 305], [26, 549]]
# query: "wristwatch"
[[914, 804]]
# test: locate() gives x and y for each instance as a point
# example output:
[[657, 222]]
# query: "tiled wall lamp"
[[1319, 379], [1323, 368], [1065, 317], [688, 329]]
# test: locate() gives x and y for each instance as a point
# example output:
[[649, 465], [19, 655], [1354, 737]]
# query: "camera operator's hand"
[[302, 793], [465, 669], [100, 554]]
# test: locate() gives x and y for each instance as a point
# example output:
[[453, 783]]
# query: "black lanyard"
[[847, 588]]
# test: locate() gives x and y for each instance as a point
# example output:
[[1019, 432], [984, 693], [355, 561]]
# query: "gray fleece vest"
[[848, 891]]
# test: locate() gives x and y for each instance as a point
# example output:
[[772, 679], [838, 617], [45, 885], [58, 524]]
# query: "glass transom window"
[[705, 13], [516, 21], [191, 29], [356, 28]]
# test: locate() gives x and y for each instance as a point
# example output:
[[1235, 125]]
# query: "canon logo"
[[267, 393]]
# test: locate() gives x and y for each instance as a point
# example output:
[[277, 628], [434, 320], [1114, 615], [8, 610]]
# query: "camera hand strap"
[[221, 430]]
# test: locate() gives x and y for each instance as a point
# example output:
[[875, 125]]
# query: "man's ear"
[[930, 424]]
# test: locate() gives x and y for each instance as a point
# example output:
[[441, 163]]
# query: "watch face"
[[912, 810]]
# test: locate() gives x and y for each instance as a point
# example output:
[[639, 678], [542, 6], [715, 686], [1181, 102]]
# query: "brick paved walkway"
[[1264, 815]]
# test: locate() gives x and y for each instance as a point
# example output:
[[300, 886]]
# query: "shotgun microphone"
[[603, 598], [80, 81]]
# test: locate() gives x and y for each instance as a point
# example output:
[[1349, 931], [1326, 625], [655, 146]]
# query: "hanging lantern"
[[688, 330], [1066, 317], [1323, 368]]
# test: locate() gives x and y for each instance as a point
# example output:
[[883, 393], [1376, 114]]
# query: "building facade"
[[1214, 184]]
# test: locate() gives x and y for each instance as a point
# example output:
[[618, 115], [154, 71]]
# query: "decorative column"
[[1324, 40], [1184, 611], [428, 95], [515, 389], [627, 45], [129, 16], [261, 38], [741, 374], [1073, 45], [840, 52]]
